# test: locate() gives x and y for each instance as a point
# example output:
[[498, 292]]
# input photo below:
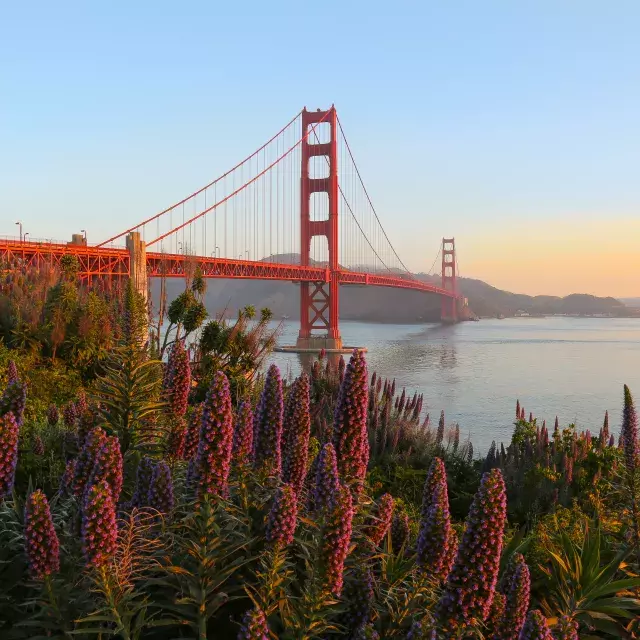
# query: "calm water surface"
[[570, 367]]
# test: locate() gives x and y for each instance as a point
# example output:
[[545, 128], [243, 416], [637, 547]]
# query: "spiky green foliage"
[[127, 397], [582, 585]]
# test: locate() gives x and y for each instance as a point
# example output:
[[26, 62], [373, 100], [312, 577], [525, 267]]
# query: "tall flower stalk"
[[336, 539], [298, 430], [243, 434], [267, 434], [351, 439], [99, 530], [516, 588], [41, 542], [472, 581], [9, 432], [282, 521], [160, 495], [327, 480], [216, 439], [381, 520]]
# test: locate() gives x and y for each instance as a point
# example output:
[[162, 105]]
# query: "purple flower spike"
[[327, 481], [243, 434], [494, 619], [629, 432], [99, 529], [66, 482], [516, 588], [254, 625], [282, 521], [53, 415], [336, 540], [37, 445], [359, 596], [144, 474], [193, 432], [9, 432], [180, 379], [177, 439], [160, 495], [535, 627], [351, 439], [381, 521], [471, 583], [41, 542], [12, 372], [108, 466], [267, 435], [216, 439], [433, 540], [566, 629], [298, 430], [14, 401], [86, 460], [70, 415], [399, 531]]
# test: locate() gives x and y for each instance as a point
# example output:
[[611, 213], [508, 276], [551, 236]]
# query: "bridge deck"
[[114, 262]]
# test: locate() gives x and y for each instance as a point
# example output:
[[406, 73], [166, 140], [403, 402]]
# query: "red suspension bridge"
[[296, 209]]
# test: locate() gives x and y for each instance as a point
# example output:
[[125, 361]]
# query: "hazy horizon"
[[512, 128]]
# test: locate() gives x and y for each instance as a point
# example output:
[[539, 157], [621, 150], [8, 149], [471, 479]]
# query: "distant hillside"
[[631, 302], [378, 304]]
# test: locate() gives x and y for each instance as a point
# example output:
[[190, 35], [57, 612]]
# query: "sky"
[[512, 126]]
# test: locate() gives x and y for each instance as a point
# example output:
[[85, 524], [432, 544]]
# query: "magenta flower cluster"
[[41, 542], [351, 439], [268, 423], [216, 439], [9, 432], [565, 629], [107, 466], [472, 581], [86, 460], [70, 415], [37, 446], [176, 441], [14, 400], [12, 372], [99, 529], [160, 496], [399, 531], [178, 378], [358, 592], [144, 473], [243, 434], [629, 432], [336, 539], [254, 625], [327, 480], [433, 539], [435, 523], [53, 415], [381, 521], [283, 517], [535, 627], [516, 588], [192, 436], [297, 430]]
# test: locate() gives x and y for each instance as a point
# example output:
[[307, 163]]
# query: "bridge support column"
[[449, 312], [138, 265], [319, 301]]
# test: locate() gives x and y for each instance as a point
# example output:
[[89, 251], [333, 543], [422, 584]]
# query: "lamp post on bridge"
[[217, 252], [85, 235], [248, 254], [25, 236], [20, 225]]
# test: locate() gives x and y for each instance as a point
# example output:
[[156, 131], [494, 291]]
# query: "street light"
[[179, 246], [248, 254], [217, 251], [25, 236], [85, 235], [20, 225]]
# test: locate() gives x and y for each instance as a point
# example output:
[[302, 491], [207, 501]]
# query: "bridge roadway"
[[114, 262]]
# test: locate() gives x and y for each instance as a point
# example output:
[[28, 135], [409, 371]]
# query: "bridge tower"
[[319, 301], [449, 313]]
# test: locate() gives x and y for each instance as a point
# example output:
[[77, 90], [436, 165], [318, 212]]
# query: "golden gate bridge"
[[295, 210]]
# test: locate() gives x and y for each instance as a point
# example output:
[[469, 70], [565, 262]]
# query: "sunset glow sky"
[[512, 126]]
